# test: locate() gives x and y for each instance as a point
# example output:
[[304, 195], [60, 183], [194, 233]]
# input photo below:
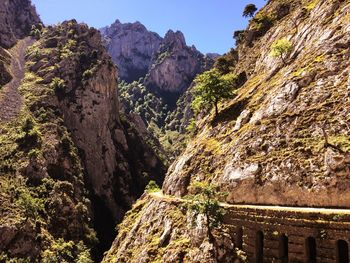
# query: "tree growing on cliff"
[[211, 88], [249, 10], [205, 202], [280, 48], [227, 62]]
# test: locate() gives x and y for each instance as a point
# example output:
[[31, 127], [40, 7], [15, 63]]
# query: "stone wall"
[[287, 235]]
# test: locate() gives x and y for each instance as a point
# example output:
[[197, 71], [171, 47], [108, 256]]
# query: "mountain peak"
[[175, 37]]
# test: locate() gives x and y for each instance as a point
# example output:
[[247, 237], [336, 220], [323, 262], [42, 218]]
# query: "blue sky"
[[207, 24]]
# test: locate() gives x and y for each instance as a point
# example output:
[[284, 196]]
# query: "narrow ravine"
[[10, 99]]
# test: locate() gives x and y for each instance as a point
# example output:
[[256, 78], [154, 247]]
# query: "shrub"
[[58, 84], [152, 187], [30, 137], [192, 127], [239, 36], [280, 48], [30, 205], [205, 202], [249, 10], [36, 31], [262, 23]]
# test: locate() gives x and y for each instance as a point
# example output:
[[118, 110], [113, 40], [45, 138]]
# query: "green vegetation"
[[280, 48], [211, 88], [136, 98], [30, 137], [68, 49], [31, 205], [249, 10], [192, 127], [152, 187], [238, 35], [311, 5], [62, 251], [36, 31], [262, 23], [226, 63], [58, 84], [205, 202]]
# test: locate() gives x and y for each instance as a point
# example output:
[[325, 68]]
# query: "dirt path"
[[161, 196], [10, 99]]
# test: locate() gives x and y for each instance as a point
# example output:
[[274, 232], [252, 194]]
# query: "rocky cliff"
[[284, 139], [174, 67], [16, 20], [71, 165], [166, 65], [132, 48]]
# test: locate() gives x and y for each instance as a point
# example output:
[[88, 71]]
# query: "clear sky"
[[207, 24]]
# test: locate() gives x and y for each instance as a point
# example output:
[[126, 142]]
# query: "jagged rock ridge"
[[167, 65], [131, 47]]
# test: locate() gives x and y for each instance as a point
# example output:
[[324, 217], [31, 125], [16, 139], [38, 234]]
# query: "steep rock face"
[[166, 65], [169, 236], [43, 195], [174, 67], [131, 47], [117, 159], [285, 138], [16, 20]]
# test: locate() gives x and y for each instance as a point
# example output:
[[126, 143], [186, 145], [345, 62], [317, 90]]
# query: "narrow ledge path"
[[10, 98], [326, 211]]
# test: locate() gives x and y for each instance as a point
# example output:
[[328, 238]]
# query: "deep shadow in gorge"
[[104, 226]]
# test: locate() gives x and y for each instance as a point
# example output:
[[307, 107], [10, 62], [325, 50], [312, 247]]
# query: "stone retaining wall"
[[287, 236]]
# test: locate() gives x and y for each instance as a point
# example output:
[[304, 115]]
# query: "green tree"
[[152, 187], [211, 88], [205, 202], [280, 48], [239, 36], [249, 10], [226, 63], [31, 206]]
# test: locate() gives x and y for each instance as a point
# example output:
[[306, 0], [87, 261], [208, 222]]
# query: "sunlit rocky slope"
[[283, 140]]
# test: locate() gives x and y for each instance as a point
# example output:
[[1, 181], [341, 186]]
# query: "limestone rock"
[[132, 47], [16, 20], [174, 67]]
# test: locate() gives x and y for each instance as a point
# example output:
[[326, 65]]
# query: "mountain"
[[283, 140], [165, 66], [174, 67], [155, 73], [132, 48], [71, 164]]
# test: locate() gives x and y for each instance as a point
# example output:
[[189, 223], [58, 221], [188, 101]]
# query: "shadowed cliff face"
[[283, 140], [67, 149], [16, 20], [117, 159]]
